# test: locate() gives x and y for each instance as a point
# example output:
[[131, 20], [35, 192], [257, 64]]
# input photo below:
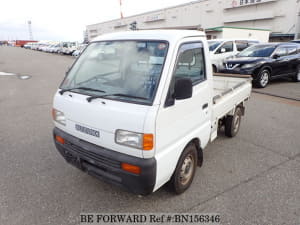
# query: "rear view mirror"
[[183, 89]]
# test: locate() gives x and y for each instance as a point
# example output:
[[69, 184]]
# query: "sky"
[[65, 20]]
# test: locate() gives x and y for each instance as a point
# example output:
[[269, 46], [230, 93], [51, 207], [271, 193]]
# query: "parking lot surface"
[[253, 178]]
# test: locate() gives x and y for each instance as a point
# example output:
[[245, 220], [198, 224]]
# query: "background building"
[[279, 17]]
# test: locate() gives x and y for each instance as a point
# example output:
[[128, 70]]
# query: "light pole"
[[30, 30]]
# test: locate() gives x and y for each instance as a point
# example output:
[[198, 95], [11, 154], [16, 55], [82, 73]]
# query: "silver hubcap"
[[236, 124], [264, 78], [186, 170]]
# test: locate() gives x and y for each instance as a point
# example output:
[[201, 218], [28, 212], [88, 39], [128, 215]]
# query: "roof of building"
[[163, 34]]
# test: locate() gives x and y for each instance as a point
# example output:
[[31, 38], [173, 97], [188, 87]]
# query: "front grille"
[[231, 65], [89, 155]]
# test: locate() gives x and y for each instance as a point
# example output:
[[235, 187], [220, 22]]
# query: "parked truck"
[[137, 108], [21, 43]]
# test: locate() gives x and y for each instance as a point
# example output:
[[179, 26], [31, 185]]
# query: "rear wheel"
[[185, 170], [233, 123], [296, 77], [263, 78]]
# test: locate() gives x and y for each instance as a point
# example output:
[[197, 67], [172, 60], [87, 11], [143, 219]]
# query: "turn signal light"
[[131, 168], [147, 141], [60, 139]]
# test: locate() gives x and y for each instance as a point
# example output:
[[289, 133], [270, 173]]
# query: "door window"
[[227, 46], [281, 51], [241, 45], [292, 50], [191, 63]]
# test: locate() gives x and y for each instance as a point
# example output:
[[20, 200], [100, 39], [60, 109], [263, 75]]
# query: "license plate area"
[[87, 130]]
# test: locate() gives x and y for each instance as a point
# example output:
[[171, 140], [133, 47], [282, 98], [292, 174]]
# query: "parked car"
[[45, 48], [49, 48], [79, 50], [266, 62], [222, 49], [68, 48], [28, 45], [41, 46], [137, 108], [54, 48], [34, 46], [296, 41]]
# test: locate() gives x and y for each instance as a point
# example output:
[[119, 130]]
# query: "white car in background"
[[41, 46], [69, 47], [34, 46], [55, 48], [51, 48], [222, 49], [47, 48], [79, 50]]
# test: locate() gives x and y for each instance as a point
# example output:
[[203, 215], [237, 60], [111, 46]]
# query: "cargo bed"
[[228, 91]]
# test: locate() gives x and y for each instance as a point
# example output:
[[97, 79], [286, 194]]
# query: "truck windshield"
[[122, 70], [213, 45], [257, 51]]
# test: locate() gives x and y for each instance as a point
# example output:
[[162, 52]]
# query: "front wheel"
[[296, 77], [185, 170], [263, 78], [233, 123]]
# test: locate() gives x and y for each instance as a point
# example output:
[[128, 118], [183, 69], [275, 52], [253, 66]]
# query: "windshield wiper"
[[89, 99], [62, 91], [95, 77]]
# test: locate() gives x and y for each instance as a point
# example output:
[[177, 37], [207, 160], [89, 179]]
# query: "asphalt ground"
[[253, 178]]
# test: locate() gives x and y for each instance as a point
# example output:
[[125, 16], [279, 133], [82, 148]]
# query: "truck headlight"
[[135, 140], [59, 117]]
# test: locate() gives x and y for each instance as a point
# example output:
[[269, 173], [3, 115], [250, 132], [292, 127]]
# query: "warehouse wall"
[[260, 35], [279, 16]]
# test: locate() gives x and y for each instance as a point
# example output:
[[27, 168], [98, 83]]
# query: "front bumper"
[[238, 71], [105, 164]]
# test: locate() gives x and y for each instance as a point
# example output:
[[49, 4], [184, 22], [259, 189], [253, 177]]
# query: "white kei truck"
[[137, 108]]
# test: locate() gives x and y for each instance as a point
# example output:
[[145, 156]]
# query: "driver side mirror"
[[223, 50], [276, 56], [183, 89]]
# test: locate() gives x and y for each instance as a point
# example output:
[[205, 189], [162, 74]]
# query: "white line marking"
[[6, 74]]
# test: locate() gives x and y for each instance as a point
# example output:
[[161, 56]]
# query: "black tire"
[[214, 69], [181, 180], [296, 77], [263, 78], [233, 123]]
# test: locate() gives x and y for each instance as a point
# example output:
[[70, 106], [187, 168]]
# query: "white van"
[[137, 108], [222, 49]]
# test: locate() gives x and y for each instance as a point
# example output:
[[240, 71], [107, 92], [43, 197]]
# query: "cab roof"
[[166, 35]]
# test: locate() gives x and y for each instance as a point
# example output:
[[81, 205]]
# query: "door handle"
[[205, 106]]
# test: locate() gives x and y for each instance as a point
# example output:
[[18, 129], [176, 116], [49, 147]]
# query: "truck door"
[[179, 121]]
